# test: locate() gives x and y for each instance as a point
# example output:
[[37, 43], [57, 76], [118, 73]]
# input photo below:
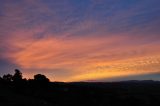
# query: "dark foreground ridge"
[[16, 91]]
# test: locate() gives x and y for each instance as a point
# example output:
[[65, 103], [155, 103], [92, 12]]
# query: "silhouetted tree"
[[7, 77], [41, 82], [1, 79], [41, 78], [17, 77]]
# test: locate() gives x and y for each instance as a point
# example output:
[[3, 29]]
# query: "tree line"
[[17, 78]]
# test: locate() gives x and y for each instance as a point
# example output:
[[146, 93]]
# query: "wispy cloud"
[[82, 40]]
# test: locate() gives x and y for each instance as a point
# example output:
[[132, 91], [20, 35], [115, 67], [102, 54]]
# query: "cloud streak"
[[82, 40]]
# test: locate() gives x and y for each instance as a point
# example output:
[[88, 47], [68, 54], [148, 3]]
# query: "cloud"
[[81, 40], [81, 56]]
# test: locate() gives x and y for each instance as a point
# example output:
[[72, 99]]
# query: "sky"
[[81, 40]]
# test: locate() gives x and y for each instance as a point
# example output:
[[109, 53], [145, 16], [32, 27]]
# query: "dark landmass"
[[15, 91]]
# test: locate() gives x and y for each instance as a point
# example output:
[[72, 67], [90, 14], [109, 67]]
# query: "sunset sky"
[[81, 40]]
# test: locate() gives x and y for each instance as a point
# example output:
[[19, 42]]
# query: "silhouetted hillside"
[[16, 91]]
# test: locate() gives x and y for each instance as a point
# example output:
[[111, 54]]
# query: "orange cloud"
[[89, 57], [93, 43]]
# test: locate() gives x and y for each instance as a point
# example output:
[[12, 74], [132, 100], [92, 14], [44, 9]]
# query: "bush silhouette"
[[41, 78], [7, 77]]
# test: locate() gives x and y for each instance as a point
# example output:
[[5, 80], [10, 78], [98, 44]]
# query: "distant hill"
[[126, 93]]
